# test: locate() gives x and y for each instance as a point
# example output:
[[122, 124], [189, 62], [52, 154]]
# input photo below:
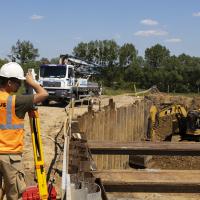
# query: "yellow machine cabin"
[[173, 119]]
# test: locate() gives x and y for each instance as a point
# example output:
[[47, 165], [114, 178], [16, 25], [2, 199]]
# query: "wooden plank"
[[113, 121], [101, 159], [150, 180], [132, 123], [118, 135], [101, 137], [145, 148], [141, 129]]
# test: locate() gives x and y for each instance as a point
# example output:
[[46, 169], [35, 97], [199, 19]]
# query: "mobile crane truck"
[[68, 79]]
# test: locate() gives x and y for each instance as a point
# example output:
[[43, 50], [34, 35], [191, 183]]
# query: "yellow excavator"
[[173, 119]]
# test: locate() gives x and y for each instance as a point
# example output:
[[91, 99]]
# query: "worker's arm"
[[41, 93]]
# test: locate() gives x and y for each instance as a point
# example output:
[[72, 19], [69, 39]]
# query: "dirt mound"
[[163, 98], [176, 162], [190, 103], [195, 104]]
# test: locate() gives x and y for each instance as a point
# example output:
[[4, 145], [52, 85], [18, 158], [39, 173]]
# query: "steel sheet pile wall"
[[123, 124]]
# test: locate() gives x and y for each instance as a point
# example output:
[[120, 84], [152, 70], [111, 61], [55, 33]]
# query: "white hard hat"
[[12, 70]]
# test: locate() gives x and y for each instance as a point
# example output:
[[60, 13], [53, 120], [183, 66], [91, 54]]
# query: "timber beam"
[[167, 181], [145, 148]]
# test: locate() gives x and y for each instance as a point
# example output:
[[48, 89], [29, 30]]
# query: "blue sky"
[[56, 27]]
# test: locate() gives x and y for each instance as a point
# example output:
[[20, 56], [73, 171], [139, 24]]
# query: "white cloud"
[[36, 17], [149, 33], [197, 14], [173, 40], [149, 22]]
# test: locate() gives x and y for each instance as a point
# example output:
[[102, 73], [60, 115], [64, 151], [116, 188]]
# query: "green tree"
[[92, 51], [127, 55], [156, 55], [2, 62], [110, 53], [100, 52], [80, 50], [188, 61], [55, 60], [44, 60], [104, 53], [31, 64], [134, 74], [24, 52]]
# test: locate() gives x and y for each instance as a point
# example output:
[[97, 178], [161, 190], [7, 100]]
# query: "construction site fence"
[[119, 124]]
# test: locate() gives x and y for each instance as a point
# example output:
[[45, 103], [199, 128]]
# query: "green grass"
[[112, 92], [185, 94]]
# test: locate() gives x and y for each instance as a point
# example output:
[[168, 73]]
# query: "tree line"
[[122, 67]]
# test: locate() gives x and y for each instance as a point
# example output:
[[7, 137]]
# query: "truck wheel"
[[45, 103]]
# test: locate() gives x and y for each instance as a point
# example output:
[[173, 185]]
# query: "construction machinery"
[[171, 120], [68, 79]]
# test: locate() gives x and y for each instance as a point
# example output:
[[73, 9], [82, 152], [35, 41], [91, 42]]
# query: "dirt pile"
[[176, 162], [163, 98]]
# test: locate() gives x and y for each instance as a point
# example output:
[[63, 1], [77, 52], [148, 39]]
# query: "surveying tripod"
[[38, 153], [41, 191]]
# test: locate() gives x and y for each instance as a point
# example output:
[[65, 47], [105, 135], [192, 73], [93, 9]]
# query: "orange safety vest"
[[11, 127]]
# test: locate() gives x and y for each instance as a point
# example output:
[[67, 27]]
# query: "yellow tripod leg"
[[38, 154]]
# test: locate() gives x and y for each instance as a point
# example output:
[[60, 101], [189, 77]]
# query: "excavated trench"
[[114, 122], [129, 124]]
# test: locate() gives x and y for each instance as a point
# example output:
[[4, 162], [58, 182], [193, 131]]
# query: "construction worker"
[[12, 112]]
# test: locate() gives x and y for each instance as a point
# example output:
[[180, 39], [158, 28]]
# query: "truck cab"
[[58, 80]]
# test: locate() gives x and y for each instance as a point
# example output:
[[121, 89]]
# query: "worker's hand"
[[29, 79], [41, 93]]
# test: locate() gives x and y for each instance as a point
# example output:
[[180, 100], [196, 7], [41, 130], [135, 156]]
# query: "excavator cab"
[[169, 120], [166, 120], [193, 122]]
